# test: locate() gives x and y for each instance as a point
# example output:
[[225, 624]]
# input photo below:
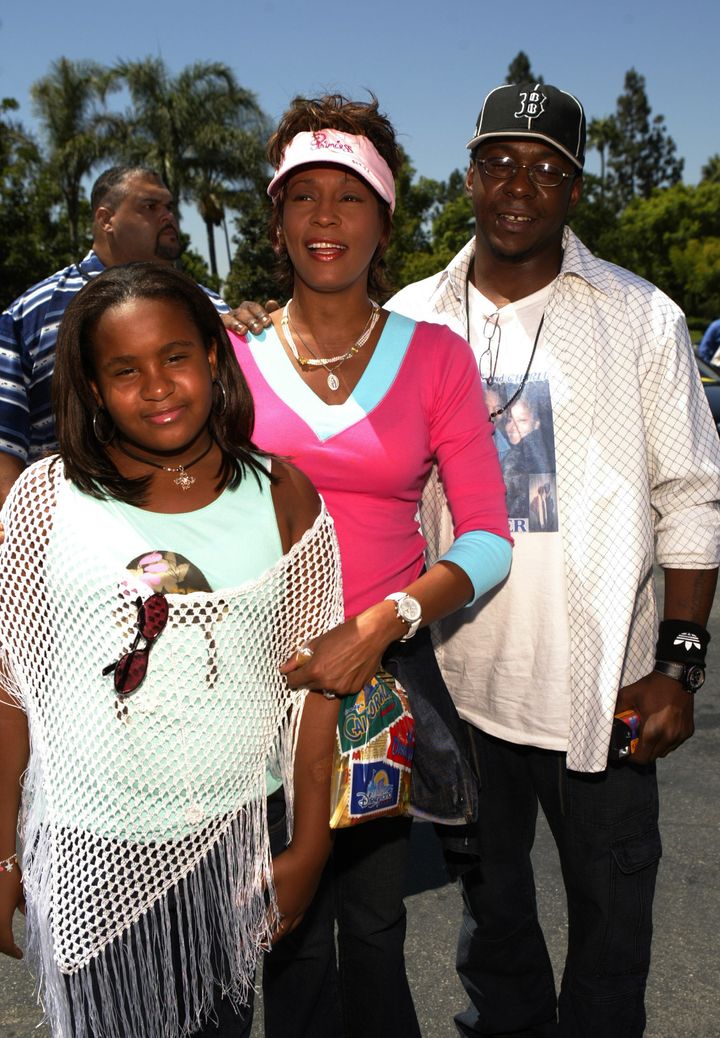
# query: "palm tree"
[[67, 102], [602, 135], [200, 130], [225, 161]]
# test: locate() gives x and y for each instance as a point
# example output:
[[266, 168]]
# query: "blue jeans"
[[606, 829]]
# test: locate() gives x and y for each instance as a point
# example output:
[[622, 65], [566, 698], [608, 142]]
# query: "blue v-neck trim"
[[327, 420]]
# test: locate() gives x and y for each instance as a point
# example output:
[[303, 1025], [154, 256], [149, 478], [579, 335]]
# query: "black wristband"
[[681, 641]]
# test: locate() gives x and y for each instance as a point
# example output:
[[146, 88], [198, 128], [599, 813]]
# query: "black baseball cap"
[[537, 111]]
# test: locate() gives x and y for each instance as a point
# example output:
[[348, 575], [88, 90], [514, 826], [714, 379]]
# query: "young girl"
[[153, 578], [365, 402]]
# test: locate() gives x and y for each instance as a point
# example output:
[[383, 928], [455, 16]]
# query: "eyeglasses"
[[131, 668], [544, 174], [491, 328]]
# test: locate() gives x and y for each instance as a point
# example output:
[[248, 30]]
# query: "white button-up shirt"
[[638, 470]]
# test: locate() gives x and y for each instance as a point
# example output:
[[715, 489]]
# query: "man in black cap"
[[539, 667]]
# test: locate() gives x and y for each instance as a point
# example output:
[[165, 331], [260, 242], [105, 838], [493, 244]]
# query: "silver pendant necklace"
[[183, 480]]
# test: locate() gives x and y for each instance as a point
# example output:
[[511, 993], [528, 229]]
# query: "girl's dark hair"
[[333, 112], [87, 464]]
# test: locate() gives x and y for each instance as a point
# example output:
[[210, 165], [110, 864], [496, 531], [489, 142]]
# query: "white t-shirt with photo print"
[[522, 660]]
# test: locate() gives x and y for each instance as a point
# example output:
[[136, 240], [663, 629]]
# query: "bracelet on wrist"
[[682, 641], [8, 864]]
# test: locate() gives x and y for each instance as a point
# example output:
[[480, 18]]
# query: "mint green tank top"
[[228, 542], [225, 544]]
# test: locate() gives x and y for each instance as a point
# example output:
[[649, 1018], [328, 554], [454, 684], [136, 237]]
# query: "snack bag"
[[372, 761]]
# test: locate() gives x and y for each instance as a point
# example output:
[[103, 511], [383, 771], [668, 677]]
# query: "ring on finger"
[[303, 654]]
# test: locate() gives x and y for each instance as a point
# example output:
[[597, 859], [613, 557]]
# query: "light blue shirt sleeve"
[[484, 557]]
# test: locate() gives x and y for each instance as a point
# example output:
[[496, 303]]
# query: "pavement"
[[683, 995]]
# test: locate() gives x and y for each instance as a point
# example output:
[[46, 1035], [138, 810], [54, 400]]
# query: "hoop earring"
[[102, 440], [222, 407]]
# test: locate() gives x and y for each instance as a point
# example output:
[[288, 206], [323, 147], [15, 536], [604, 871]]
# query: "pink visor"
[[359, 154]]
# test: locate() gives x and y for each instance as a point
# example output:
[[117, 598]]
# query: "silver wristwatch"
[[408, 610]]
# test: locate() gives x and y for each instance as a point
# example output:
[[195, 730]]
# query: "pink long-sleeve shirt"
[[419, 400]]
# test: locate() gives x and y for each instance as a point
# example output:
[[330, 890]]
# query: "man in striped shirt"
[[134, 219]]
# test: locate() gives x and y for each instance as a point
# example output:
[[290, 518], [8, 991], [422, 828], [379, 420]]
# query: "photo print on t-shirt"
[[525, 441], [168, 572]]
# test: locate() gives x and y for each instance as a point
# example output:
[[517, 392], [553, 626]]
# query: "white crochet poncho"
[[130, 824]]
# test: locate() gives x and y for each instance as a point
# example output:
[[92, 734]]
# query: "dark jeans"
[[304, 993], [309, 988], [606, 829]]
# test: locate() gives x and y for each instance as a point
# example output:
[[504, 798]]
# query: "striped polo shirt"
[[28, 333]]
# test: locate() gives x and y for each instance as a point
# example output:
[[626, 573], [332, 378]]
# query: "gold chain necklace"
[[290, 331]]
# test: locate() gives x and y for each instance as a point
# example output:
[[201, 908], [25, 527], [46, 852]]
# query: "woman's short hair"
[[86, 461], [333, 112]]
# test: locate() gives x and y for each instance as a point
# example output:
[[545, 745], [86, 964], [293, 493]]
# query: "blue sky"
[[429, 63]]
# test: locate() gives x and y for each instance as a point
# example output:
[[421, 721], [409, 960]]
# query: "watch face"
[[694, 678], [409, 610]]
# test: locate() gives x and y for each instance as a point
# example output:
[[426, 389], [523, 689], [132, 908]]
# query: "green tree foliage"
[[696, 266], [201, 130], [67, 102], [673, 240], [204, 133], [711, 170], [595, 217], [637, 156], [452, 224], [520, 70], [32, 242], [252, 270], [193, 264], [642, 156], [410, 246]]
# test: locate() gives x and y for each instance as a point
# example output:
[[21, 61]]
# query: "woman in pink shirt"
[[365, 402]]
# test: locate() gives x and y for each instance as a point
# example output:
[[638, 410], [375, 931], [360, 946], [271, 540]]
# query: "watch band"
[[690, 675], [399, 597]]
